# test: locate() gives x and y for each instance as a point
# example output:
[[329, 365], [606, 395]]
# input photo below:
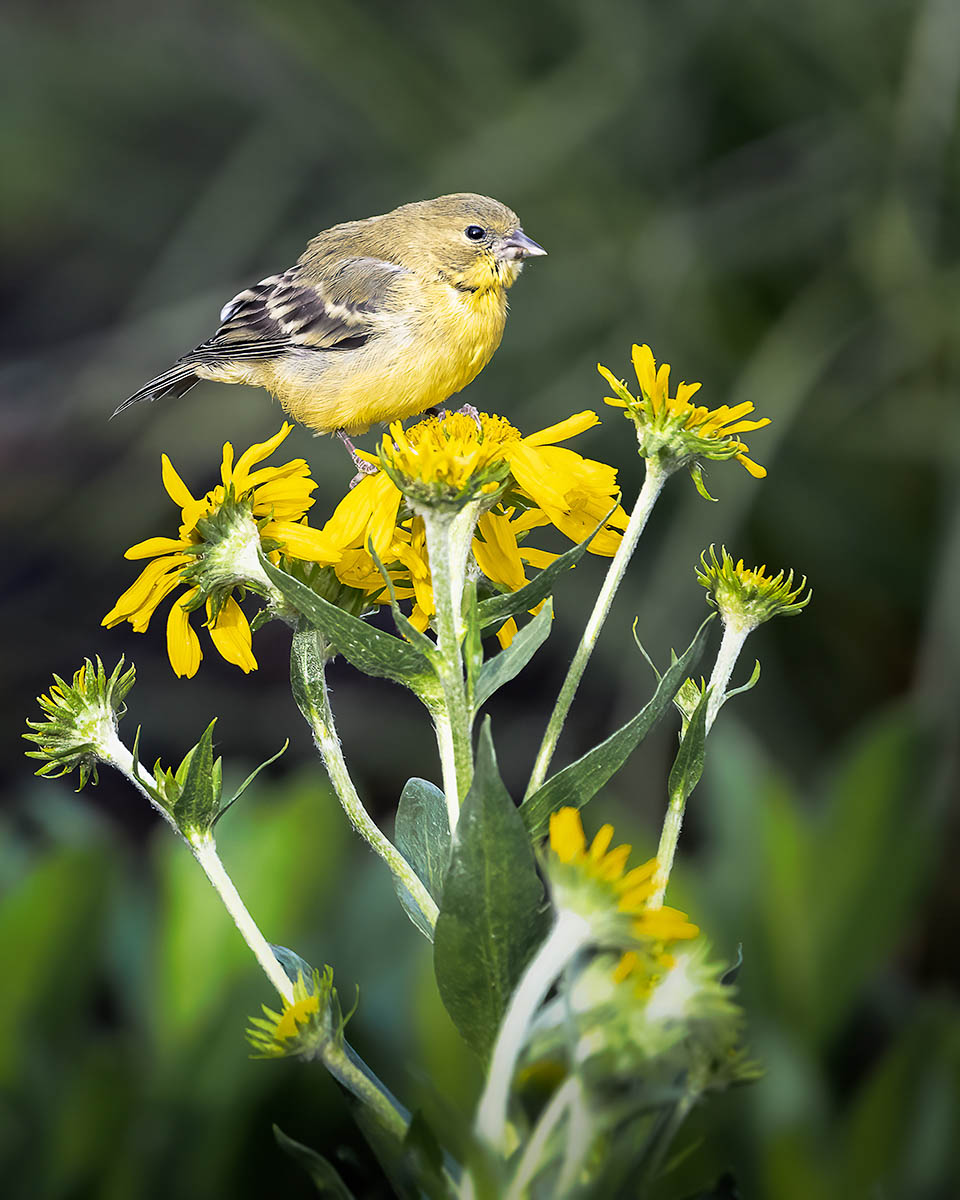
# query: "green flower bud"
[[79, 728], [746, 597]]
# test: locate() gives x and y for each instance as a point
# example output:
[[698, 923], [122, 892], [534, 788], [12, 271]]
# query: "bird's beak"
[[518, 245]]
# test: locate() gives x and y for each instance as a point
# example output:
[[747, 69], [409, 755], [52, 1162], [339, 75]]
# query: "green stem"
[[579, 1138], [554, 1112], [730, 646], [570, 933], [316, 709], [340, 1060], [342, 1064], [205, 852], [653, 482], [661, 1138], [449, 535], [448, 761]]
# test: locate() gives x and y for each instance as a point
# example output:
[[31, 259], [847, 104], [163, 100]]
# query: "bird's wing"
[[332, 309]]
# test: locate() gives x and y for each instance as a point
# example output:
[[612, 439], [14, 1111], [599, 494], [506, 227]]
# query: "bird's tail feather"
[[179, 379]]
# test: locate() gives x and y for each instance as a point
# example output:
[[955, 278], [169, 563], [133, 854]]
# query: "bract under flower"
[[748, 596]]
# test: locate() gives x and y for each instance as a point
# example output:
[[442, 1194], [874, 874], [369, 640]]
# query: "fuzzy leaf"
[[506, 665], [422, 833], [580, 782], [688, 765], [199, 801], [246, 783], [405, 628], [425, 1159], [369, 649], [325, 1176], [492, 916], [292, 963], [497, 609]]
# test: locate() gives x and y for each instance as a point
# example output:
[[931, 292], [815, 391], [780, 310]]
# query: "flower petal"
[[154, 546], [230, 633], [567, 839], [177, 490], [497, 554], [257, 453], [563, 430], [752, 468], [303, 542], [506, 633], [154, 582], [183, 645]]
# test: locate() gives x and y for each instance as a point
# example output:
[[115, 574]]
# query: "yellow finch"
[[380, 319]]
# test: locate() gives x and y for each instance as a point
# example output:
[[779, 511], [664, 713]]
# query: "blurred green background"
[[768, 194]]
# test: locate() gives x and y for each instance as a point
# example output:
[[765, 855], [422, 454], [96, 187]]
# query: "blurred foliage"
[[767, 194]]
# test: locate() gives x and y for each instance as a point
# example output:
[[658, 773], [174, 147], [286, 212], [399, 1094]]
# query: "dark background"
[[765, 193]]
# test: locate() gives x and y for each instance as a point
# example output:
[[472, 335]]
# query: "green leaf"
[[246, 783], [472, 641], [292, 963], [492, 917], [506, 665], [425, 1159], [404, 627], [369, 649], [688, 765], [422, 833], [580, 782], [198, 804], [326, 1178], [748, 686], [499, 608], [696, 474]]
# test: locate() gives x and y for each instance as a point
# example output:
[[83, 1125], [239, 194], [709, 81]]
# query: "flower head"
[[305, 1026], [216, 552], [675, 431], [521, 483], [748, 596], [592, 880], [80, 720], [664, 1019], [448, 460]]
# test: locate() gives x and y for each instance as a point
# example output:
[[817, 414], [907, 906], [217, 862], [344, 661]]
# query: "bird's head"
[[472, 241]]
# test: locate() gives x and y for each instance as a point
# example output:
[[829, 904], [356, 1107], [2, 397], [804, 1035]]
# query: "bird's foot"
[[364, 468]]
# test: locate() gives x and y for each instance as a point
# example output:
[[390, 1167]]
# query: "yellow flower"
[[216, 551], [312, 1019], [748, 596], [531, 482], [671, 428], [593, 880]]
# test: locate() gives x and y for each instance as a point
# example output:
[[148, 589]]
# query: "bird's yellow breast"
[[432, 343]]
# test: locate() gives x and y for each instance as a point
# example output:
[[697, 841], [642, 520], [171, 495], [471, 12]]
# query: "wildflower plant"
[[555, 956]]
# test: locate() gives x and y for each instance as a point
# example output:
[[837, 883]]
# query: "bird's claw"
[[364, 468]]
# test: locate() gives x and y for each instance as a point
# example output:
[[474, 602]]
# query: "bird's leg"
[[363, 467]]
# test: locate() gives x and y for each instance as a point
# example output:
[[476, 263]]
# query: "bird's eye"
[[474, 233]]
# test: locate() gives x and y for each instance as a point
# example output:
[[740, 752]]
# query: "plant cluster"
[[598, 1011]]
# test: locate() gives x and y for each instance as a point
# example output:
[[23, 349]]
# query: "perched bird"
[[379, 319]]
